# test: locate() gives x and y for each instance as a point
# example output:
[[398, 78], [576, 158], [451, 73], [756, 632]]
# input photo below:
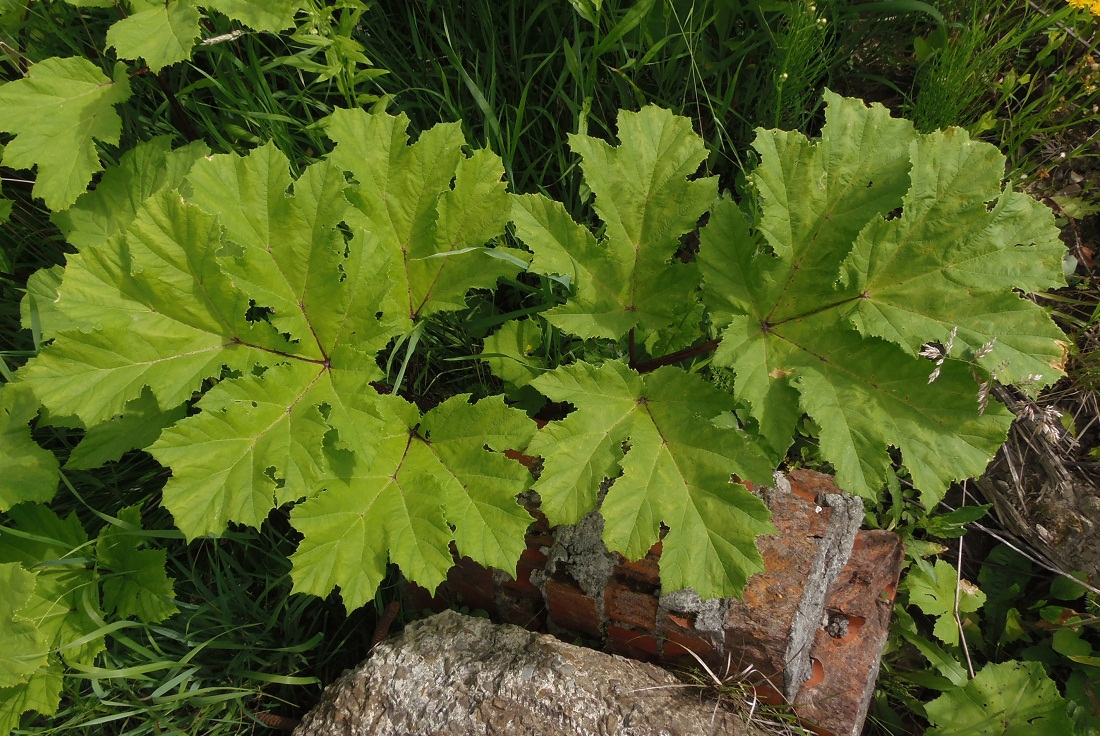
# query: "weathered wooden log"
[[463, 676]]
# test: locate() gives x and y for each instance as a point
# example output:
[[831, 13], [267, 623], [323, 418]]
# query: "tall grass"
[[1018, 74]]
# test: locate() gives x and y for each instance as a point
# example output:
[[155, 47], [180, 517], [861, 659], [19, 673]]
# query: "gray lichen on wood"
[[454, 674], [833, 553]]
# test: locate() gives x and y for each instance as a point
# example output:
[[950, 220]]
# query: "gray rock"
[[453, 674]]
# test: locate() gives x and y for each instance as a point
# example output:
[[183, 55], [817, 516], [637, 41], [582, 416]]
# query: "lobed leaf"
[[427, 476], [163, 32], [432, 208], [24, 651], [27, 471], [41, 694], [64, 604], [57, 112], [869, 243], [630, 278], [939, 591], [160, 33], [159, 283], [952, 262], [255, 445], [1007, 699], [596, 271], [289, 247], [180, 281], [136, 584], [258, 441], [676, 472], [242, 288], [144, 170], [50, 611]]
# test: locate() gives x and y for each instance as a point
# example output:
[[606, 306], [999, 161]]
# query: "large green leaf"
[[869, 243], [433, 209], [677, 471], [596, 270], [160, 33], [134, 580], [142, 171], [41, 694], [1007, 699], [97, 215], [27, 471], [242, 295], [163, 32], [180, 281], [64, 605], [161, 285], [57, 112], [139, 425], [953, 264], [291, 250], [428, 476], [257, 442], [24, 652], [630, 278]]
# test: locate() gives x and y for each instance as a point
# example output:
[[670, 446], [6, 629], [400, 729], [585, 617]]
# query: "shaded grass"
[[240, 644]]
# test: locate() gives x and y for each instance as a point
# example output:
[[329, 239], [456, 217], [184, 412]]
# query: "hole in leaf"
[[271, 472], [256, 313]]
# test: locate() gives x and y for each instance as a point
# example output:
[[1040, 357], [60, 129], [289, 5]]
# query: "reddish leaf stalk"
[[680, 355]]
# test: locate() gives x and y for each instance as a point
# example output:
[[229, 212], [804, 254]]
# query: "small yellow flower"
[[1093, 6]]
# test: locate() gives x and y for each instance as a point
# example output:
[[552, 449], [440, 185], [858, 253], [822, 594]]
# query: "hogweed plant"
[[232, 320]]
